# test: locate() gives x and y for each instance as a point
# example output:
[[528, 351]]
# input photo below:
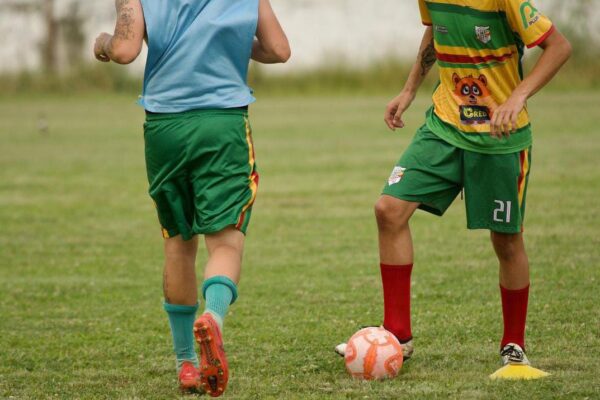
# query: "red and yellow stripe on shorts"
[[524, 159], [253, 178]]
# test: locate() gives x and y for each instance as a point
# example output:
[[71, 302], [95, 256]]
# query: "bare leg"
[[225, 249], [395, 240], [221, 276], [514, 286], [396, 259], [514, 264], [179, 279], [181, 303]]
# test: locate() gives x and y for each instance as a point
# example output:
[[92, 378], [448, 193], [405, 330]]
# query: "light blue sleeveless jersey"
[[198, 54]]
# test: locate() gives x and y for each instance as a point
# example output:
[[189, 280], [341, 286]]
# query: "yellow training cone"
[[513, 371]]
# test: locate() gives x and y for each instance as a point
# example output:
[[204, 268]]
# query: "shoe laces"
[[513, 353]]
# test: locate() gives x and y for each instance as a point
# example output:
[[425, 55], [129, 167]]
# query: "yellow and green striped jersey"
[[479, 45]]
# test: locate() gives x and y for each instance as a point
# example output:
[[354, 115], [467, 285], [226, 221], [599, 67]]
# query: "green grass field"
[[80, 258]]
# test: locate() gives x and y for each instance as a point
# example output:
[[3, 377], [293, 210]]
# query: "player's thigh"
[[429, 173], [496, 190], [165, 138], [164, 144], [223, 173]]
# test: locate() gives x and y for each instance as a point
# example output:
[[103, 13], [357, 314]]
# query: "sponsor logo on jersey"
[[529, 14], [483, 33], [396, 175], [474, 115]]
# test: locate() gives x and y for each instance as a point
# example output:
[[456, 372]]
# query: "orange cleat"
[[189, 378], [214, 371]]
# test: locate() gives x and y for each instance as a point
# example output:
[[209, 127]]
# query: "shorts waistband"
[[150, 116]]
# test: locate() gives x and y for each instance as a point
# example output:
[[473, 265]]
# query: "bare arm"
[[425, 60], [125, 44], [271, 44], [557, 51]]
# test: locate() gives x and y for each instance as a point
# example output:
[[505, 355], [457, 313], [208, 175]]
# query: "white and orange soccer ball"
[[373, 353]]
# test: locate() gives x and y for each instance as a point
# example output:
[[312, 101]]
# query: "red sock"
[[396, 300], [514, 313]]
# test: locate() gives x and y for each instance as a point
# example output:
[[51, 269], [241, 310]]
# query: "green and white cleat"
[[516, 365], [407, 349]]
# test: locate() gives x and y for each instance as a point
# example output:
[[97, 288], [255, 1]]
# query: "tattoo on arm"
[[428, 58], [125, 20]]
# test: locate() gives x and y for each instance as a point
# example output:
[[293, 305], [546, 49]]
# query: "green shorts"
[[201, 170], [433, 172]]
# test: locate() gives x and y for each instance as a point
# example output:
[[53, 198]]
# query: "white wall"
[[321, 32], [349, 31]]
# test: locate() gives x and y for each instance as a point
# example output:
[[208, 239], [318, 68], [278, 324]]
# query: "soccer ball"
[[373, 353]]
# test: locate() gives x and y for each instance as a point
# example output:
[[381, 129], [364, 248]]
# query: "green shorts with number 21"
[[433, 172]]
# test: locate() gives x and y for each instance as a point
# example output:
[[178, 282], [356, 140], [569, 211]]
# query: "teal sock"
[[219, 292], [181, 319]]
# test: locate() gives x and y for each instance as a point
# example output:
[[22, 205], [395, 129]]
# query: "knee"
[[389, 214], [179, 250], [508, 247], [229, 240], [180, 259], [229, 249]]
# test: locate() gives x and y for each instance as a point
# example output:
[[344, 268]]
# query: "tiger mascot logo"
[[476, 104]]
